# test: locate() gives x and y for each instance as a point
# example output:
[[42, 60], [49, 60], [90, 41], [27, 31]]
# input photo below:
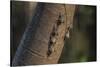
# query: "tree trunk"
[[21, 15], [43, 40]]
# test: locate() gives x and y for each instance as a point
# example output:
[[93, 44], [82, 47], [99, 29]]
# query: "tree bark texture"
[[43, 40], [21, 15]]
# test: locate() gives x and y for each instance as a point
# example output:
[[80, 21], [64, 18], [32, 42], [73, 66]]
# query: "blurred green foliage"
[[81, 46]]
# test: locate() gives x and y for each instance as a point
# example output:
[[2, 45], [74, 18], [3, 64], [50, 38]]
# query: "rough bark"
[[50, 21]]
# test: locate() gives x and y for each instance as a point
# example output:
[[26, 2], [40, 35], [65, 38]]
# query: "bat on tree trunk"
[[43, 39]]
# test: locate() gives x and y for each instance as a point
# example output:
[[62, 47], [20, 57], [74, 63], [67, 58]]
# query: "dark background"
[[81, 46]]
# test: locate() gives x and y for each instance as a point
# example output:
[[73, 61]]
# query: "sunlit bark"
[[35, 43]]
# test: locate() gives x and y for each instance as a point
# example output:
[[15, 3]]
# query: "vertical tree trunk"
[[21, 15], [43, 40]]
